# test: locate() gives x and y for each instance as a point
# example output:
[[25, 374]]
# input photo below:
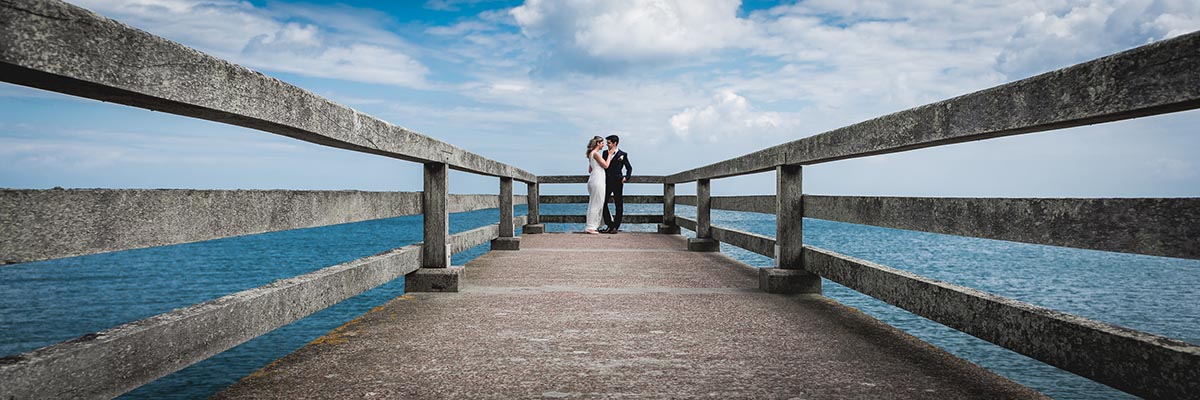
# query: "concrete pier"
[[627, 315]]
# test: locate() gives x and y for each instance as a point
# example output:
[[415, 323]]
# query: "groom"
[[615, 182]]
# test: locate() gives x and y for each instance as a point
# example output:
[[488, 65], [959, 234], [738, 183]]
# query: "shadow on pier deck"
[[618, 316]]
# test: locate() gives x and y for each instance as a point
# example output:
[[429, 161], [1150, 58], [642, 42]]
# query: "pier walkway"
[[616, 316]]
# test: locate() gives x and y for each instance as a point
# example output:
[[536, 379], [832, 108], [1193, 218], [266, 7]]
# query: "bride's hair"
[[592, 144]]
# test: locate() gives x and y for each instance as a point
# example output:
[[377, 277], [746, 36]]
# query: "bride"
[[596, 167]]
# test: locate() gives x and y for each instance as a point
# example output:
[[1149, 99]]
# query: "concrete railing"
[[58, 47], [1159, 78]]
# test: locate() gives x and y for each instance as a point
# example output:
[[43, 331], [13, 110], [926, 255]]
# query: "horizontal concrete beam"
[[632, 199], [114, 361], [1139, 363], [553, 179], [1158, 78], [685, 223], [755, 243], [759, 204], [1167, 227], [46, 224], [471, 202], [62, 48], [580, 219], [463, 241]]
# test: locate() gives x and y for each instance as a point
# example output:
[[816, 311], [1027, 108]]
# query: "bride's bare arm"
[[601, 160]]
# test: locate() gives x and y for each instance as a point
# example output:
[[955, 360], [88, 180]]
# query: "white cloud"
[[1077, 31], [325, 42], [727, 116], [631, 32]]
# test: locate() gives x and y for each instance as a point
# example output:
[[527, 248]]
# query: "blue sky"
[[684, 82]]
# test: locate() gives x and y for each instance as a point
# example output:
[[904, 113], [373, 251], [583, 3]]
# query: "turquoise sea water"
[[47, 302]]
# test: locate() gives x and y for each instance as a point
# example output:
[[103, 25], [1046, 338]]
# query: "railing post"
[[534, 225], [668, 226], [703, 240], [436, 274], [789, 275], [506, 241]]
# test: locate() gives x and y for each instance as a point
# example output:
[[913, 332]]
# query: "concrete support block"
[[704, 244], [533, 201], [506, 208], [703, 209], [668, 229], [533, 229], [669, 203], [789, 213], [788, 281], [506, 243], [434, 280], [435, 199]]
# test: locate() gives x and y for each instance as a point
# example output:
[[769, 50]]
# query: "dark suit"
[[614, 186]]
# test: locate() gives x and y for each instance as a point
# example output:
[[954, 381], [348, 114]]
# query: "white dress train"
[[595, 194]]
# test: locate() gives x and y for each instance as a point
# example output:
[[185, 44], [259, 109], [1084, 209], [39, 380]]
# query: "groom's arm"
[[628, 168]]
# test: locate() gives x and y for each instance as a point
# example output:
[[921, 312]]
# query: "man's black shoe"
[[611, 231]]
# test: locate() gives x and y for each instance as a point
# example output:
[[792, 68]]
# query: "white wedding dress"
[[595, 193]]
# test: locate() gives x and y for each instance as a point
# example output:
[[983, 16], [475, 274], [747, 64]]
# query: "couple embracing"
[[605, 179]]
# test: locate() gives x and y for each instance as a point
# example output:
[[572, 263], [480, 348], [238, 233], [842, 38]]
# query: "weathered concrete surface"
[[788, 281], [506, 243], [753, 242], [1168, 227], [45, 224], [426, 280], [1143, 364], [111, 362], [629, 199], [789, 207], [764, 204], [1158, 78], [617, 316], [533, 198], [703, 245], [59, 47], [507, 229], [703, 210], [684, 222], [1163, 227], [471, 202], [435, 199], [668, 202], [563, 179], [533, 229]]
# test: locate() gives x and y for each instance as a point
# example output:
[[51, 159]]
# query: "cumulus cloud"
[[336, 43], [1080, 30], [593, 35], [728, 115]]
